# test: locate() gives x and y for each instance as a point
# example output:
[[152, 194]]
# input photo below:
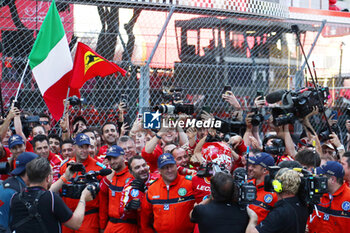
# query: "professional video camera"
[[79, 183], [4, 168], [75, 100], [311, 188], [296, 104], [229, 126], [245, 192], [176, 105]]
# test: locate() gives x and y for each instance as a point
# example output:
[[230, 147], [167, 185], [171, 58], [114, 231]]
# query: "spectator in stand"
[[110, 137], [111, 188], [168, 201], [41, 147], [55, 142], [333, 211], [45, 121], [93, 210], [134, 191], [128, 145], [345, 162], [16, 183], [67, 149]]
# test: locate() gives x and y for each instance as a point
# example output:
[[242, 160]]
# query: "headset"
[[276, 183]]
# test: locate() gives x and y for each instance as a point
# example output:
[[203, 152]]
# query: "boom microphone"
[[102, 172], [275, 96]]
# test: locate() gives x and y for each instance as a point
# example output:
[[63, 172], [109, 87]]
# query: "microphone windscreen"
[[275, 96], [105, 172]]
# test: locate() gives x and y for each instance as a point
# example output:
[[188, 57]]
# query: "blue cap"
[[82, 139], [262, 159], [22, 161], [332, 168], [115, 151], [15, 140], [165, 159]]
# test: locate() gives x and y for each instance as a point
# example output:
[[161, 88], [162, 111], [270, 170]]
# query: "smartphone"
[[260, 93], [335, 115], [124, 99], [206, 108], [227, 88]]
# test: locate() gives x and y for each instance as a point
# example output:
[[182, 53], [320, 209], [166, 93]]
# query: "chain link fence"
[[200, 51]]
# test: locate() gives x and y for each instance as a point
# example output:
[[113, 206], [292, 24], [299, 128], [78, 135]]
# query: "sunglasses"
[[44, 122]]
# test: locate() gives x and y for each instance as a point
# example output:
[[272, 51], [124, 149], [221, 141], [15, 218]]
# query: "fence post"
[[144, 95]]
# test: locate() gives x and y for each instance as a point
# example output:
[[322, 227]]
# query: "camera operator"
[[16, 183], [81, 151], [38, 210], [288, 214], [275, 146], [220, 213], [257, 170], [333, 213]]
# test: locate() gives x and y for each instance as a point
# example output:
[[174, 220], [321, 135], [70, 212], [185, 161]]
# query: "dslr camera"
[[75, 100]]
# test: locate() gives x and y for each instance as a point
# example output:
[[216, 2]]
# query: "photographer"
[[333, 213], [16, 183], [220, 213], [39, 210], [289, 215]]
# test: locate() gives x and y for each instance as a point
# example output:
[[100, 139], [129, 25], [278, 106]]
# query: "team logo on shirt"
[[345, 205], [268, 198], [127, 180], [134, 193], [182, 192]]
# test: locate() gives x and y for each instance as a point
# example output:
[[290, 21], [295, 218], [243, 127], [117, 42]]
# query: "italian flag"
[[51, 63]]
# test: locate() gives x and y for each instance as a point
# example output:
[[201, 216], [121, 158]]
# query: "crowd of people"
[[121, 178]]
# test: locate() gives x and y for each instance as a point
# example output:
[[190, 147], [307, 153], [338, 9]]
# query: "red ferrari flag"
[[88, 64]]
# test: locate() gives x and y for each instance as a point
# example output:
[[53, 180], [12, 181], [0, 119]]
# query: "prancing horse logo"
[[90, 59]]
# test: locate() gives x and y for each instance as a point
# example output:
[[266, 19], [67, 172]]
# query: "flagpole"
[[1, 102], [65, 102], [20, 83]]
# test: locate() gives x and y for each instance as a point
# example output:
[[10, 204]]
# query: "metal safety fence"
[[196, 46]]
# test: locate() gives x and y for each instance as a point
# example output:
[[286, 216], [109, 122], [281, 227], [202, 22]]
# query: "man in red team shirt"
[[134, 191]]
